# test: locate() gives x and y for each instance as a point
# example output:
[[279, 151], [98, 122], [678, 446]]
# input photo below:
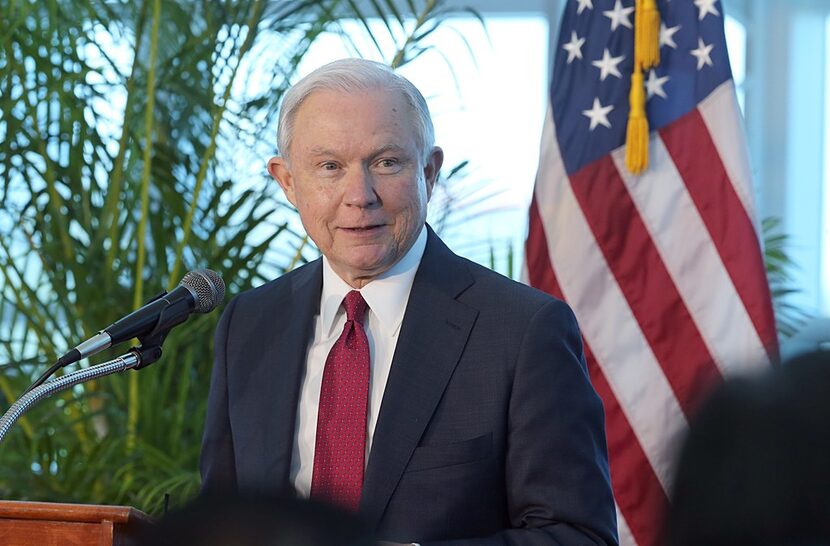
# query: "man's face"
[[358, 179]]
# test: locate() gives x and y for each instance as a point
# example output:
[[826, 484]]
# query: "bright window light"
[[825, 211], [487, 91], [736, 45]]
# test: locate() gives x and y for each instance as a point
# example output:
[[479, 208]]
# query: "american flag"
[[663, 269]]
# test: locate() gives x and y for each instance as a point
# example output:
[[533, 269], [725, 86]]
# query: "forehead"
[[320, 98], [364, 114]]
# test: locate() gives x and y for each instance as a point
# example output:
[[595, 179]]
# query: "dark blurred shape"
[[755, 468], [257, 521]]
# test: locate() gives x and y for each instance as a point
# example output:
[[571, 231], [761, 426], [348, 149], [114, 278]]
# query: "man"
[[444, 402]]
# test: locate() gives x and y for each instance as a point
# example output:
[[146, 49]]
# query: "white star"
[[574, 47], [608, 65], [667, 35], [598, 114], [702, 53], [706, 6], [584, 4], [619, 16], [654, 85]]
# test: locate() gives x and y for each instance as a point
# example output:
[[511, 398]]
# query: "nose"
[[359, 189]]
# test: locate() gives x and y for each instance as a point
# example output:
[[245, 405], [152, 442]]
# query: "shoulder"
[[480, 287], [494, 290], [307, 277]]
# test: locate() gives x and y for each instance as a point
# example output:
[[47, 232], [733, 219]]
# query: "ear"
[[279, 171], [432, 168]]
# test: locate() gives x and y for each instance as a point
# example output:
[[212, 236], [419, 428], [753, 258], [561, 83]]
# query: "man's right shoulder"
[[282, 286]]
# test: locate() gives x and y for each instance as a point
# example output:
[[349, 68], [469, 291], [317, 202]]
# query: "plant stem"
[[138, 295], [298, 255], [218, 115], [419, 21], [109, 218]]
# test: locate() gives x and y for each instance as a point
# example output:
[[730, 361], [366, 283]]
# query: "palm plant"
[[127, 132], [779, 265]]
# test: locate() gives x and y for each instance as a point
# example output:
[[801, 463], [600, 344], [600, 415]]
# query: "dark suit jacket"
[[489, 430]]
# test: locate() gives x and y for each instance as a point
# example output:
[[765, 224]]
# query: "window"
[[487, 92], [825, 213], [736, 43]]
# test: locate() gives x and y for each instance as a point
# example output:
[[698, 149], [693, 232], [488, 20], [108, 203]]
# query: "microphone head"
[[207, 286]]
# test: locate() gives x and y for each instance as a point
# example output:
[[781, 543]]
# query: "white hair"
[[351, 75]]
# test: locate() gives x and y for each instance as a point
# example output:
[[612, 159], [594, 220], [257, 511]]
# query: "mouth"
[[362, 229]]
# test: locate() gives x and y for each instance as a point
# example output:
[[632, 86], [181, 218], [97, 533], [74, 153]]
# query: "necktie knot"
[[355, 306]]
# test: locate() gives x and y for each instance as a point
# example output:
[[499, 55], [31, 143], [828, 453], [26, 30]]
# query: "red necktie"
[[340, 446]]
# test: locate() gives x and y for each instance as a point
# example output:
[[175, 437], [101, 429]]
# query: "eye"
[[329, 166], [388, 164]]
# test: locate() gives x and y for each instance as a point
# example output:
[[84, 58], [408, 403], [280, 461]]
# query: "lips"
[[360, 229]]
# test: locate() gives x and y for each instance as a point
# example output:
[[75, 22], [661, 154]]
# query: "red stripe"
[[638, 493], [645, 282], [539, 269], [694, 153]]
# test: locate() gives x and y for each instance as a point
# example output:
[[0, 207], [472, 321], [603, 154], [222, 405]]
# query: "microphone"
[[199, 291]]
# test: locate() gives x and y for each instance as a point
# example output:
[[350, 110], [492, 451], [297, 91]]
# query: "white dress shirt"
[[386, 296]]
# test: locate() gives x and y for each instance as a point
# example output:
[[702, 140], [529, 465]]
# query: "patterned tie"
[[340, 446]]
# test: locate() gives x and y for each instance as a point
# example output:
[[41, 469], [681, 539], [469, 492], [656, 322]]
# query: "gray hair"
[[352, 75]]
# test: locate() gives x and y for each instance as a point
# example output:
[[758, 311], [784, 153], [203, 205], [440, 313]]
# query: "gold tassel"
[[638, 32], [636, 138], [646, 55], [647, 33], [651, 34]]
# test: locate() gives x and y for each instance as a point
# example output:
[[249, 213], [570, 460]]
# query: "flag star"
[[654, 84], [702, 53], [598, 114], [574, 47], [608, 65], [667, 35], [584, 4], [619, 16], [705, 7]]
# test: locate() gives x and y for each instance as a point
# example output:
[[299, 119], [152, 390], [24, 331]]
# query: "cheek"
[[409, 195], [418, 199], [313, 202]]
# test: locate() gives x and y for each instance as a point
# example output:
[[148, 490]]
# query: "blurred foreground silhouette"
[[263, 521], [755, 468]]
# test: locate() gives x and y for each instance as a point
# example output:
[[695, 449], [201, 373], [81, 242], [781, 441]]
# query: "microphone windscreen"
[[208, 286]]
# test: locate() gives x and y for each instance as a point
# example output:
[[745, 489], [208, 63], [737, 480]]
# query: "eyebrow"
[[317, 151], [388, 148]]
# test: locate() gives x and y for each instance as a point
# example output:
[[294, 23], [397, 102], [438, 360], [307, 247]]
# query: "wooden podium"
[[55, 524]]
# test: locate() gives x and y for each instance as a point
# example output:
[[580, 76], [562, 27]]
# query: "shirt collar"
[[386, 294]]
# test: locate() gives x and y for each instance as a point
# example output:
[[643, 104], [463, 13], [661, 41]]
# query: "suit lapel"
[[433, 334], [280, 343]]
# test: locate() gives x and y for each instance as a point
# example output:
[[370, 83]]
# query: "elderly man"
[[443, 402]]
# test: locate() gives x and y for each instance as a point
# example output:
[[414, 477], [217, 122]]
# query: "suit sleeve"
[[217, 465], [556, 467]]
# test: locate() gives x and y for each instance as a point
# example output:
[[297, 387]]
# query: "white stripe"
[[621, 350], [692, 260], [524, 275], [626, 538], [722, 117]]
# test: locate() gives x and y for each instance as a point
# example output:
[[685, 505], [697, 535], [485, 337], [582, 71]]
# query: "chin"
[[371, 267]]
